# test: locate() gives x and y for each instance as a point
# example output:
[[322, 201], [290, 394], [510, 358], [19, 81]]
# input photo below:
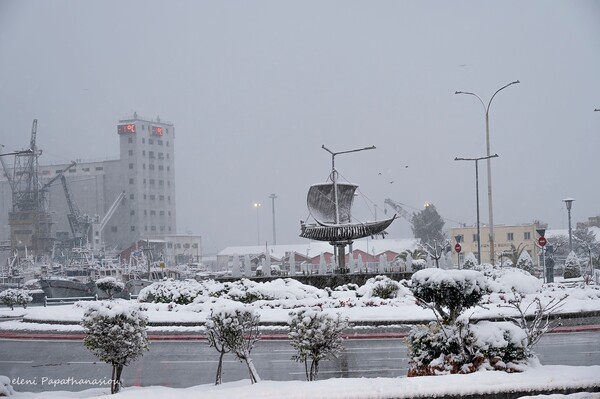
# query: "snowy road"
[[40, 364]]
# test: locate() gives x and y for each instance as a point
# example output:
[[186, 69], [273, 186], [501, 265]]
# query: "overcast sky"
[[254, 88]]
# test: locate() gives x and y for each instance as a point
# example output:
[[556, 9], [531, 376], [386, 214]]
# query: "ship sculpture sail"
[[330, 204]]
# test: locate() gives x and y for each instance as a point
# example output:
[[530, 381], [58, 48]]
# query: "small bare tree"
[[534, 318]]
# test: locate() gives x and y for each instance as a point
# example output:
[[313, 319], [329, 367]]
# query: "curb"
[[170, 336]]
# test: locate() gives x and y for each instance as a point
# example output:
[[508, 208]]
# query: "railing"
[[69, 300], [133, 296]]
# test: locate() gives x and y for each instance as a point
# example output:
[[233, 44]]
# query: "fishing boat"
[[330, 205]]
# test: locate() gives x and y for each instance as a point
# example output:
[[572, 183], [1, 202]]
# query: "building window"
[[143, 140], [151, 166], [527, 235], [167, 155], [85, 169], [131, 196], [169, 245], [99, 168], [161, 183], [130, 152], [132, 228], [113, 229], [510, 237], [145, 212], [177, 245], [152, 197], [150, 141], [151, 154], [167, 143], [144, 196], [152, 228], [152, 213], [160, 167], [152, 181], [145, 228], [160, 142], [195, 245], [162, 198], [169, 228], [71, 170], [143, 153], [143, 127], [162, 228], [475, 238], [130, 166], [132, 212], [130, 180], [460, 238], [143, 166], [162, 213], [130, 139]]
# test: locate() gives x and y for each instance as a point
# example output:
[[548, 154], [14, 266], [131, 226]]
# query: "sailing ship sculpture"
[[330, 204]]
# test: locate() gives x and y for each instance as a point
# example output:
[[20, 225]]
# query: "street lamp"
[[257, 206], [489, 163], [477, 197], [569, 203], [273, 196]]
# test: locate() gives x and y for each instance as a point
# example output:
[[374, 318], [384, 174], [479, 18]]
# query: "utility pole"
[[273, 196]]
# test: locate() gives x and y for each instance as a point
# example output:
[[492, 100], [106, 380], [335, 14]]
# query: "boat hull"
[[64, 288], [346, 232]]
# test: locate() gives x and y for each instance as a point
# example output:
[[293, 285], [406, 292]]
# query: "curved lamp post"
[[257, 206], [489, 164]]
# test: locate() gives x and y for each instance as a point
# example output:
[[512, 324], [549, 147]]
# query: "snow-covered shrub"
[[15, 296], [418, 264], [470, 261], [502, 344], [316, 336], [464, 348], [110, 285], [508, 279], [448, 292], [234, 329], [382, 287], [572, 266], [525, 262], [5, 388], [169, 290], [116, 333]]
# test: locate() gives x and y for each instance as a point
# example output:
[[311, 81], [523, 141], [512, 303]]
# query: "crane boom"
[[398, 208]]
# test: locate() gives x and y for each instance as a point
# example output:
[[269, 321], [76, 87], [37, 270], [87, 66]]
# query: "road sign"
[[457, 248], [542, 241]]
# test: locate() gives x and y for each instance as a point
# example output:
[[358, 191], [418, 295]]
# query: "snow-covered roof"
[[314, 248]]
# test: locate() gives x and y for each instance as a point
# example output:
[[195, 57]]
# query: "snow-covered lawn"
[[488, 382]]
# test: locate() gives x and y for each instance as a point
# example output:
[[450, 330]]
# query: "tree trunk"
[[218, 378], [254, 377], [314, 370], [116, 383]]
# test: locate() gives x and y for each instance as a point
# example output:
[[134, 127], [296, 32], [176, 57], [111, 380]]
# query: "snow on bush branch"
[[14, 296]]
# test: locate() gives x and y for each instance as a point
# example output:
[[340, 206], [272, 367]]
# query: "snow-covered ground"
[[358, 304]]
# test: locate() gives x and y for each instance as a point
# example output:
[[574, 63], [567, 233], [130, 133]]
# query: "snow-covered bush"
[[464, 348], [169, 290], [525, 262], [448, 292], [116, 333], [418, 264], [470, 261], [382, 287], [234, 329], [572, 266], [508, 279], [15, 296], [316, 336], [110, 285], [5, 388]]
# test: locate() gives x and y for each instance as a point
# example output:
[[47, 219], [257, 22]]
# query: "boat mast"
[[333, 175]]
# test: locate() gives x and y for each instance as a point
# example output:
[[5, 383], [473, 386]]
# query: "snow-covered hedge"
[[15, 296], [506, 279], [181, 292]]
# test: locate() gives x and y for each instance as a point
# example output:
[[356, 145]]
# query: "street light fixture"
[[257, 206], [273, 196], [489, 164], [477, 197], [569, 203]]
